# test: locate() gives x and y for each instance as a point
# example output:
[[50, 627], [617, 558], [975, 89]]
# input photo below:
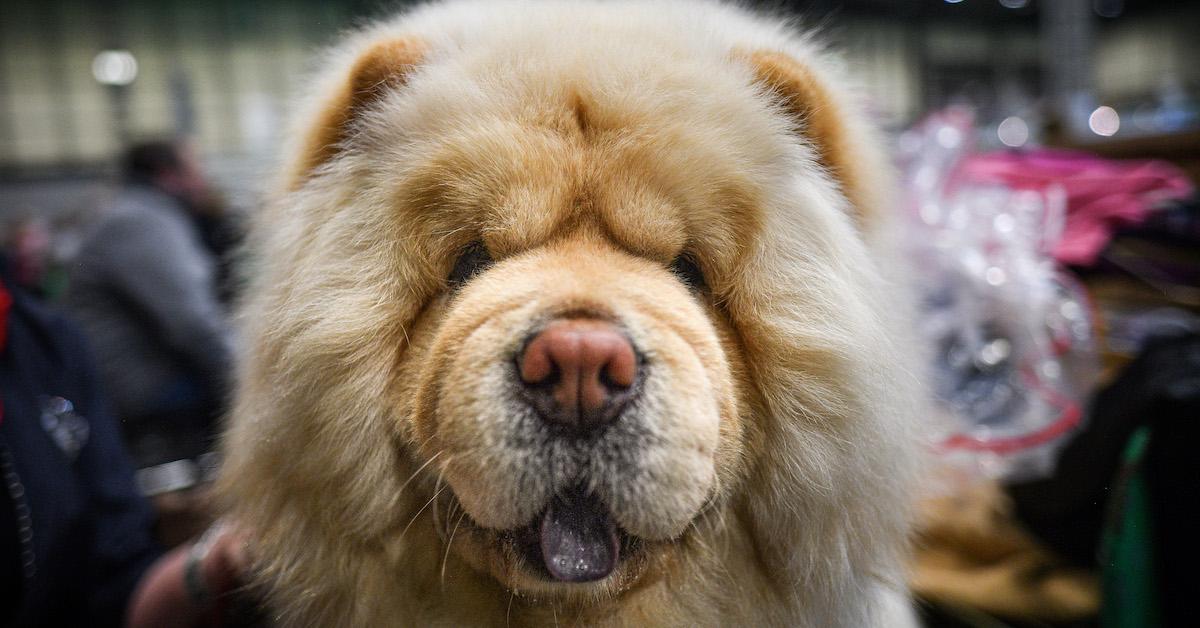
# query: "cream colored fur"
[[370, 446]]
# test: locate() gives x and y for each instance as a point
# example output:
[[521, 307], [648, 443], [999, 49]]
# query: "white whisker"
[[419, 469], [449, 544], [414, 518]]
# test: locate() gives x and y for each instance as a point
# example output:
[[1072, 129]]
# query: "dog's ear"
[[385, 65], [823, 119]]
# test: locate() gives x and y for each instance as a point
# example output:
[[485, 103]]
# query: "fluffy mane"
[[331, 486]]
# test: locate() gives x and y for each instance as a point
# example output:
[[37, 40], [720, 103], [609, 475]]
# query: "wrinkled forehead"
[[655, 166]]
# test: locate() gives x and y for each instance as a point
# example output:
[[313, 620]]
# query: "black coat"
[[75, 533]]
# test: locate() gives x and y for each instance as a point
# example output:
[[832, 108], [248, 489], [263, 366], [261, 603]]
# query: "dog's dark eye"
[[473, 260], [688, 272]]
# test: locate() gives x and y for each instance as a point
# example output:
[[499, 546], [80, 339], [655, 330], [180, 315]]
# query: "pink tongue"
[[579, 539]]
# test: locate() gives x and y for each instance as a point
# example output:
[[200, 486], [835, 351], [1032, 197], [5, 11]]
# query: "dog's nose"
[[579, 373]]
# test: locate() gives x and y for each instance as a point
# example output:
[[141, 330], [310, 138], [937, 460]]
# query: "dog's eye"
[[473, 260], [688, 272]]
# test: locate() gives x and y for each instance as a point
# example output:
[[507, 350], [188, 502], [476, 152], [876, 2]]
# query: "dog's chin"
[[574, 546]]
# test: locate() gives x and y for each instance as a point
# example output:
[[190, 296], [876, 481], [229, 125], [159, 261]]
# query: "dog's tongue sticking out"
[[579, 539]]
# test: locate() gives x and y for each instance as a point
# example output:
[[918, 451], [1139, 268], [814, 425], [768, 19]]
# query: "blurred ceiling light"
[[1013, 132], [1104, 121], [953, 1], [1014, 4], [115, 67]]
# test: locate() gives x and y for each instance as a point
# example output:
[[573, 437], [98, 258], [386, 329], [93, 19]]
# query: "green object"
[[1127, 546]]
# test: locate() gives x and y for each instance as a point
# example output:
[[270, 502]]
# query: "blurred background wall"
[[79, 79]]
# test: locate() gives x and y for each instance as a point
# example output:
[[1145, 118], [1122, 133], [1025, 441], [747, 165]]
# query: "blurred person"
[[143, 287], [28, 246], [221, 234], [76, 537]]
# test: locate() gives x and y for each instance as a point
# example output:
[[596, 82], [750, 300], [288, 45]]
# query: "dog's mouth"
[[574, 540]]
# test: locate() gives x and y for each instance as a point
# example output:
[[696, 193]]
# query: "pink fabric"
[[1102, 195]]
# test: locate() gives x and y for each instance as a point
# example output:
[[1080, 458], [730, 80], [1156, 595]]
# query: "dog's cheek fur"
[[474, 422], [314, 460]]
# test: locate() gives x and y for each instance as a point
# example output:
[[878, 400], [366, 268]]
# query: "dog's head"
[[570, 380], [544, 306]]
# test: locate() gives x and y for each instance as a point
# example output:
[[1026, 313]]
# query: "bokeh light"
[[1013, 132], [1104, 121], [115, 67]]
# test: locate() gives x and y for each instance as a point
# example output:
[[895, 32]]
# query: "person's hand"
[[223, 561], [182, 587]]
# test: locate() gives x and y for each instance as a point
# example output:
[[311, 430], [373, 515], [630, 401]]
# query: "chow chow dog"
[[576, 313]]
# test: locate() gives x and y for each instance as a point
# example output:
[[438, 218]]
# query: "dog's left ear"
[[824, 120], [384, 65]]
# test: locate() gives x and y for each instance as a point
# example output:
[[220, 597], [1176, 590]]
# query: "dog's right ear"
[[385, 65]]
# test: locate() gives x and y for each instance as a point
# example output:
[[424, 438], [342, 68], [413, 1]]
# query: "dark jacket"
[[75, 534], [143, 288]]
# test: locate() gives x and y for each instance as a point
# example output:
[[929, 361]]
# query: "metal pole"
[[1067, 38]]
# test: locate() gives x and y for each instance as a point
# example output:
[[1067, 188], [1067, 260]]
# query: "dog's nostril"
[[578, 373]]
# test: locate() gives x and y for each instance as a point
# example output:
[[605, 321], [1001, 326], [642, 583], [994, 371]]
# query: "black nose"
[[579, 373]]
